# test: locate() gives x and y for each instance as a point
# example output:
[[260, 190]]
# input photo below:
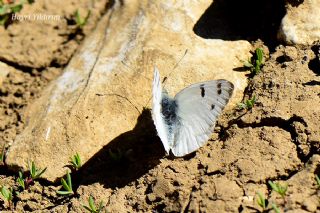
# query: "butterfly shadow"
[[126, 158], [311, 83]]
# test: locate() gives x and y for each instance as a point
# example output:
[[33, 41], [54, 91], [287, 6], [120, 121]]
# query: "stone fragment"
[[301, 24]]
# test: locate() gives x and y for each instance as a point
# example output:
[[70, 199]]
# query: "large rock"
[[108, 82], [301, 24]]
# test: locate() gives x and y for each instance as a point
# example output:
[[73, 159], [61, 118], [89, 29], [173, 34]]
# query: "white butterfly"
[[186, 122]]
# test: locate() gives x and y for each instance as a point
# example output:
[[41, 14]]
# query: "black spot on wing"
[[202, 90], [219, 88], [212, 106], [219, 91]]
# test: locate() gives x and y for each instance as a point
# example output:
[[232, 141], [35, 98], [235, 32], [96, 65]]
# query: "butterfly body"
[[184, 123], [169, 114]]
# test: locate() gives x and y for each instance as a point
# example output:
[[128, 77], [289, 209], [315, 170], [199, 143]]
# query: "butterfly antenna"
[[175, 66], [120, 96], [126, 65]]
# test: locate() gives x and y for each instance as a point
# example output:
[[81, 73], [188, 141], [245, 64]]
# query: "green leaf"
[[64, 184], [67, 185], [39, 174], [69, 181], [261, 200], [10, 194], [257, 67], [32, 169], [21, 183], [81, 21], [248, 104], [275, 208], [251, 102], [35, 172], [5, 192], [20, 180], [241, 106], [273, 185], [4, 10], [247, 64], [20, 175], [91, 203], [16, 8], [281, 190], [259, 53], [76, 161], [64, 192]]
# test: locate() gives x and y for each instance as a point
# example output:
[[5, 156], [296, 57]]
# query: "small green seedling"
[[92, 206], [8, 8], [7, 194], [281, 190], [21, 181], [318, 180], [275, 208], [35, 172], [256, 62], [81, 22], [67, 185], [248, 104], [76, 161], [262, 202]]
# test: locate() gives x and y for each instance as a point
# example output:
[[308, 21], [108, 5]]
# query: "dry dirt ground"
[[277, 140]]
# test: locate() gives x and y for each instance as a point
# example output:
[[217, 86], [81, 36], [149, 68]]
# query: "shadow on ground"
[[242, 20], [314, 63], [126, 158]]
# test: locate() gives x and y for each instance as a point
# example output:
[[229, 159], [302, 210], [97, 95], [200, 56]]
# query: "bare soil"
[[277, 140]]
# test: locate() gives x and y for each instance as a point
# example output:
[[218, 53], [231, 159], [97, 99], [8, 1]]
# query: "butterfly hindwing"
[[198, 107]]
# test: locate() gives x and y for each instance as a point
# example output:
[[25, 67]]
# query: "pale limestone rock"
[[301, 24], [108, 82], [4, 71]]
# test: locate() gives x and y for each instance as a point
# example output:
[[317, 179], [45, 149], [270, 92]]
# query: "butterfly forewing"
[[157, 116], [198, 107]]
